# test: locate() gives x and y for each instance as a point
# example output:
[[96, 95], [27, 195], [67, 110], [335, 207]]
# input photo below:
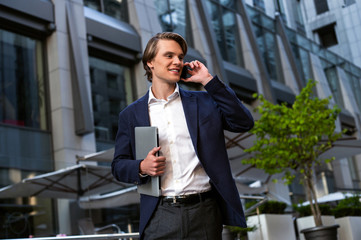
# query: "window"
[[114, 8], [280, 8], [225, 27], [259, 4], [266, 43], [349, 2], [332, 79], [111, 93], [22, 90], [327, 35], [298, 16], [174, 17], [321, 6]]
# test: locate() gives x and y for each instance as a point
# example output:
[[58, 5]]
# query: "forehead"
[[168, 45]]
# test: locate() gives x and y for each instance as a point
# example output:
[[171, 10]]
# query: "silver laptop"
[[146, 138]]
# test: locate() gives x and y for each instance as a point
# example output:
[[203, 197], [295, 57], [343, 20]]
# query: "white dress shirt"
[[183, 173]]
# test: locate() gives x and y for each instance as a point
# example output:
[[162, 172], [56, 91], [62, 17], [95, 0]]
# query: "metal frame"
[[85, 237]]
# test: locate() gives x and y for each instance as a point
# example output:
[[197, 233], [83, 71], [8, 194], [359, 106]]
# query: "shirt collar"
[[174, 95]]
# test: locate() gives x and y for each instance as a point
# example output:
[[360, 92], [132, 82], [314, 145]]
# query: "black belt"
[[187, 199]]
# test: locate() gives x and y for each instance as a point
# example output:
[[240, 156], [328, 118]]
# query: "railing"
[[124, 236], [255, 206], [121, 236]]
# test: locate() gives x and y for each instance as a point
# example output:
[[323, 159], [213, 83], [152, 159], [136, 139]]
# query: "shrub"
[[306, 210], [346, 211], [272, 207], [350, 206]]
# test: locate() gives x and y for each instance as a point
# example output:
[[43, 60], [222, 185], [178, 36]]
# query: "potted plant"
[[305, 220], [291, 139]]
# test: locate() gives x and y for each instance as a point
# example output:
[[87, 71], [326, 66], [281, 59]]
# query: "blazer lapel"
[[142, 111], [190, 107]]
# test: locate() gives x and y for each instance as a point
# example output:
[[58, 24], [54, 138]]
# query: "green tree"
[[291, 139]]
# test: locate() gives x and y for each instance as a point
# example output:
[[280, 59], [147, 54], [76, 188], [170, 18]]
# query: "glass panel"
[[254, 15], [217, 26], [331, 57], [349, 2], [331, 75], [111, 93], [25, 149], [93, 4], [228, 3], [304, 42], [26, 217], [305, 66], [231, 38], [225, 27], [259, 4], [356, 87], [179, 19], [116, 9], [268, 23], [321, 6], [271, 57], [173, 17], [22, 90], [291, 35]]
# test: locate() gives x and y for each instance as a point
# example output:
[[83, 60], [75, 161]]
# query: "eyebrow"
[[169, 52]]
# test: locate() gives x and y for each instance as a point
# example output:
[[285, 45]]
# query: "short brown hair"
[[151, 49]]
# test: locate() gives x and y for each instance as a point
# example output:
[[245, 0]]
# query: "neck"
[[162, 90]]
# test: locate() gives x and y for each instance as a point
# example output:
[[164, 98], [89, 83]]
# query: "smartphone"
[[185, 73]]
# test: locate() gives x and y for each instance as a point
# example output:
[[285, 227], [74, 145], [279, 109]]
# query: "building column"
[[66, 143]]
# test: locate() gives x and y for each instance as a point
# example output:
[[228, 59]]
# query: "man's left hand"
[[199, 73]]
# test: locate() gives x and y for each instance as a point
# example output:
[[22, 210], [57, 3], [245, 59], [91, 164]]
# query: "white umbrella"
[[102, 156], [332, 197], [115, 199], [70, 182]]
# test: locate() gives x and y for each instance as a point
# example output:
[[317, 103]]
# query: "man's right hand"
[[153, 165]]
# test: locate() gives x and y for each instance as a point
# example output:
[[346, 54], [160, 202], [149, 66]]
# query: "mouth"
[[175, 70]]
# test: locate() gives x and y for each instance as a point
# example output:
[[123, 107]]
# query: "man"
[[199, 194]]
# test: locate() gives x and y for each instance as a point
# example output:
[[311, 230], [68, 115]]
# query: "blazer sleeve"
[[125, 168], [235, 116]]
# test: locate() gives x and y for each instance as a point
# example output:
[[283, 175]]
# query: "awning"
[[332, 197], [70, 182], [115, 199]]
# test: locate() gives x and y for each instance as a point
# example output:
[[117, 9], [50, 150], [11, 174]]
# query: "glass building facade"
[[43, 62], [25, 137]]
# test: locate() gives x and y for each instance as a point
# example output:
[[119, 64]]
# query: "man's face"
[[167, 64]]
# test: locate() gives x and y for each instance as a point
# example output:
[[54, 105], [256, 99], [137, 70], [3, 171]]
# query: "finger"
[[154, 151]]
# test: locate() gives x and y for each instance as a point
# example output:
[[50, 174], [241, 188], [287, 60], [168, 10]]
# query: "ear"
[[150, 64]]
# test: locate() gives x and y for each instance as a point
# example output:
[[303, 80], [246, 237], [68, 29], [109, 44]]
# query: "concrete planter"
[[271, 227], [350, 228], [309, 222]]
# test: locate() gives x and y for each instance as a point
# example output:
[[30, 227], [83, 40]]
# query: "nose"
[[177, 61]]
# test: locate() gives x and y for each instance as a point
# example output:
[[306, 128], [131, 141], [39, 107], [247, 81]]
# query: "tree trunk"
[[312, 198]]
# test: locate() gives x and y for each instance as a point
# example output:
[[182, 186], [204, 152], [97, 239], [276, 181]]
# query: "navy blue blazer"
[[207, 115]]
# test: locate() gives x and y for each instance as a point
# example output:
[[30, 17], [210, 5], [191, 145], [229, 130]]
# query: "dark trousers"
[[197, 221]]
